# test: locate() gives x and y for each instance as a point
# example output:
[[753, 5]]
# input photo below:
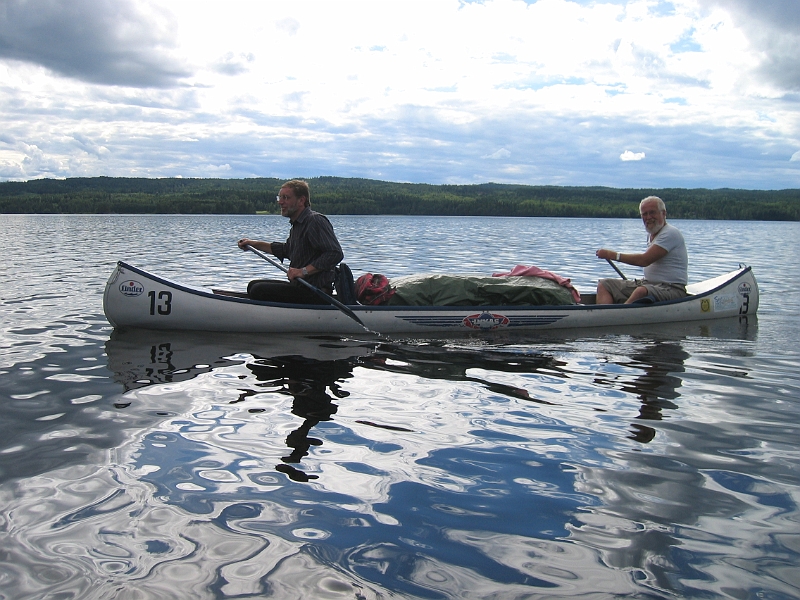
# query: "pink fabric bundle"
[[532, 271]]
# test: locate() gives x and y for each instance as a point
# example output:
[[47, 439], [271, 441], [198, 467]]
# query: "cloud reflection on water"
[[505, 466]]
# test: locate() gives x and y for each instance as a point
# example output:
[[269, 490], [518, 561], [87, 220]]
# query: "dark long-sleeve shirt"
[[311, 241]]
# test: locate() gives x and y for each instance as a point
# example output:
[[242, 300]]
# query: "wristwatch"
[[304, 271]]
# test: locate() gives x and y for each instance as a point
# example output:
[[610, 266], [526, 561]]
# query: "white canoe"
[[134, 298]]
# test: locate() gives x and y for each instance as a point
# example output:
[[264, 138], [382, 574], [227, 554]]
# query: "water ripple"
[[649, 462]]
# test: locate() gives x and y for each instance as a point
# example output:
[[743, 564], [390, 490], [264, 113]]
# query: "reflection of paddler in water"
[[307, 381], [658, 385], [450, 364]]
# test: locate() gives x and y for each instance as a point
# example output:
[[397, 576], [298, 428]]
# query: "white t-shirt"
[[674, 267]]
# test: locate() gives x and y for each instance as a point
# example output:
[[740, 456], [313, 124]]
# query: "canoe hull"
[[134, 298]]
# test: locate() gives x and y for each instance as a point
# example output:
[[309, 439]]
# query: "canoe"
[[135, 298]]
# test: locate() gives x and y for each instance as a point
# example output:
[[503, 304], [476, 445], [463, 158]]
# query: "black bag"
[[344, 285]]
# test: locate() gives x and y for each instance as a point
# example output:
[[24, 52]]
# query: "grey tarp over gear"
[[477, 290]]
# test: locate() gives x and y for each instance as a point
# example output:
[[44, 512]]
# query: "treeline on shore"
[[338, 195]]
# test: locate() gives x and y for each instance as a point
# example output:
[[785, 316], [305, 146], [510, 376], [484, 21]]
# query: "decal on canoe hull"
[[723, 302], [483, 321], [129, 287]]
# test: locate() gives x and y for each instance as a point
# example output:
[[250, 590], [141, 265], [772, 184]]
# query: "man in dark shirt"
[[312, 249]]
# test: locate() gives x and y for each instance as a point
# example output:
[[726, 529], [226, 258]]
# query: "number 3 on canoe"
[[163, 305]]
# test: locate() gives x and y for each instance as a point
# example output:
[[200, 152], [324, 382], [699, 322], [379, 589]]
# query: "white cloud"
[[773, 30], [89, 146], [628, 156], [795, 157], [35, 160], [289, 25], [234, 65], [365, 88], [500, 154]]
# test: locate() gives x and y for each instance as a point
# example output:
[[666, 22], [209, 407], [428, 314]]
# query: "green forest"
[[343, 196]]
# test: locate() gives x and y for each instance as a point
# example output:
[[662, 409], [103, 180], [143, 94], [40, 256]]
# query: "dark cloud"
[[773, 27], [783, 15], [99, 41]]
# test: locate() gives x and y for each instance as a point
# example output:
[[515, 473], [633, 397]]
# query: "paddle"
[[621, 274], [314, 289]]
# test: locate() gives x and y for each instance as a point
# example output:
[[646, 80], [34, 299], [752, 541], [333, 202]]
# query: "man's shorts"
[[621, 289]]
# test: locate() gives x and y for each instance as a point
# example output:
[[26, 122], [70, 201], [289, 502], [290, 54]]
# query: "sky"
[[619, 93]]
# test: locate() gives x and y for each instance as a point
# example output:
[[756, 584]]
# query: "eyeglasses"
[[284, 198], [650, 213]]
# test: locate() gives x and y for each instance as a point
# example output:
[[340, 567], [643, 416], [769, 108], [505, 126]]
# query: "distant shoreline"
[[350, 196]]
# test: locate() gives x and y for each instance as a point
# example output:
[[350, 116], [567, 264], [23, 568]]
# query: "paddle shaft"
[[621, 274], [314, 289]]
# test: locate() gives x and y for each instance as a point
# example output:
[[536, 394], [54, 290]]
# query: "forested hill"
[[336, 195]]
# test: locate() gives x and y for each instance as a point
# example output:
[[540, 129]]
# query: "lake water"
[[652, 463]]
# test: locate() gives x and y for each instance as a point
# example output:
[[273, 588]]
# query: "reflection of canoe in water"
[[139, 357], [135, 298]]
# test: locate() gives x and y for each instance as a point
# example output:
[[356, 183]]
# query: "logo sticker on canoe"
[[745, 288], [485, 321], [725, 302], [131, 288]]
